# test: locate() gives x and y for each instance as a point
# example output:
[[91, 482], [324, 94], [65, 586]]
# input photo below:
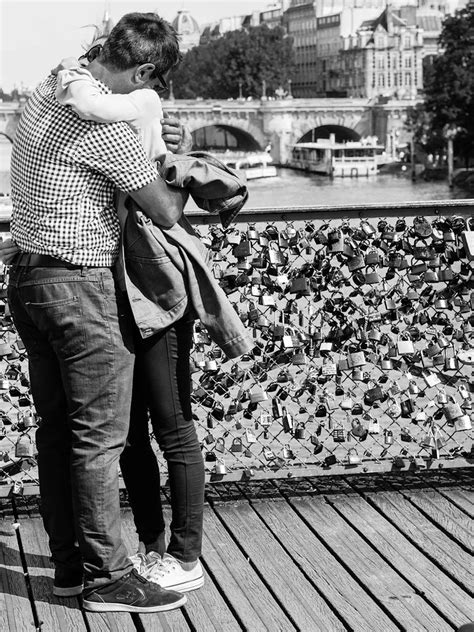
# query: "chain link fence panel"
[[363, 324]]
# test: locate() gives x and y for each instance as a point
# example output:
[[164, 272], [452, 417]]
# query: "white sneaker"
[[169, 574], [152, 558], [139, 560]]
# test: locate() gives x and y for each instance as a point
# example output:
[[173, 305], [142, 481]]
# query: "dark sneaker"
[[132, 593], [67, 583]]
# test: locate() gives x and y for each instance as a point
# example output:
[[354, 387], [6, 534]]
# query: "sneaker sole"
[[186, 586], [71, 591], [92, 606]]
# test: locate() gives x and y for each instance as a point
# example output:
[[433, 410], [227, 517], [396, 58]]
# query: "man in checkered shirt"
[[74, 321]]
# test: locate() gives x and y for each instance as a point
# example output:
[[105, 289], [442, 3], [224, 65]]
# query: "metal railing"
[[363, 322]]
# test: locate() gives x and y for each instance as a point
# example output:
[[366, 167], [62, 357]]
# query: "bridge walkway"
[[374, 553]]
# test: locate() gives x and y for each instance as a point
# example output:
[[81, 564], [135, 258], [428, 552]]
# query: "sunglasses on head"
[[93, 53]]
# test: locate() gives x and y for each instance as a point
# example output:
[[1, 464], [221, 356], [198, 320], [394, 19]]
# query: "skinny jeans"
[[162, 395]]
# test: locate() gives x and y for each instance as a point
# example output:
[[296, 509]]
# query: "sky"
[[36, 34]]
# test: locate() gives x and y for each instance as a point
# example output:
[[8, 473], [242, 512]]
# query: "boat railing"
[[362, 320]]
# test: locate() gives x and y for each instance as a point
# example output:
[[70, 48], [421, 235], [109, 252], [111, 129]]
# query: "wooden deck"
[[363, 553]]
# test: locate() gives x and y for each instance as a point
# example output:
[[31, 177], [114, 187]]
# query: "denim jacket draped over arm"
[[165, 270]]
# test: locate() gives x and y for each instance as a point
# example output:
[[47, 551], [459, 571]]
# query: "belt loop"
[[84, 270]]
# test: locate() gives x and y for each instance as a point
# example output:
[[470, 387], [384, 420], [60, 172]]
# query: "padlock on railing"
[[236, 445], [353, 457], [467, 237], [219, 467], [24, 446]]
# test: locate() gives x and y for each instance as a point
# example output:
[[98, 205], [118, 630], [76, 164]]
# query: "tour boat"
[[254, 166], [346, 160]]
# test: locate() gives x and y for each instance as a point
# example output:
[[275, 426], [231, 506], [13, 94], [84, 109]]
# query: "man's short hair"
[[140, 38]]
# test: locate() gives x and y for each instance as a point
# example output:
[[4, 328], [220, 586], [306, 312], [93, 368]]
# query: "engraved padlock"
[[388, 437]]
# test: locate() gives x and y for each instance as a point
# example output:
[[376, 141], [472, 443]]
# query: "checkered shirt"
[[64, 172]]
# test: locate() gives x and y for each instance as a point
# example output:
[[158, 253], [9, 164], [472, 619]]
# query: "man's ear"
[[143, 72]]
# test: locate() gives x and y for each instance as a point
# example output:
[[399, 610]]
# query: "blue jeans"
[[162, 387], [77, 331]]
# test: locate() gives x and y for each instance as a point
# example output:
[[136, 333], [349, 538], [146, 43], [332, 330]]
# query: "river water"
[[294, 188]]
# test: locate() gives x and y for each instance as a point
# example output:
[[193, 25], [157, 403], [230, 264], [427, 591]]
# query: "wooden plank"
[[425, 534], [436, 587], [347, 597], [5, 535], [449, 517], [67, 612], [207, 609], [56, 613], [18, 608], [295, 594], [461, 497], [384, 584], [171, 621], [252, 602]]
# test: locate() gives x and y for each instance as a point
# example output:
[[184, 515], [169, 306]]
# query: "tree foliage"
[[251, 56], [449, 87]]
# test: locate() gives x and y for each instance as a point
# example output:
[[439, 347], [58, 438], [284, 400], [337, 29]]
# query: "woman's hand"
[[8, 250]]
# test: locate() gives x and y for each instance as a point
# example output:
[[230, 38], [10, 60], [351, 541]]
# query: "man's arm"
[[162, 203]]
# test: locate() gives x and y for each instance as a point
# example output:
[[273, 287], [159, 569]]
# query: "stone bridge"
[[282, 123]]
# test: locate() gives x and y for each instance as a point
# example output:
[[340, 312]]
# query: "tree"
[[449, 87], [249, 57]]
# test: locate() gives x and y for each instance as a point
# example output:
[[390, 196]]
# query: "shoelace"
[[139, 562], [163, 567]]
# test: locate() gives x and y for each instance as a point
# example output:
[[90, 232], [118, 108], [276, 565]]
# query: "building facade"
[[364, 48]]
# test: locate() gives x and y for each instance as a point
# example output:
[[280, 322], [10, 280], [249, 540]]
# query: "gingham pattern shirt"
[[64, 172]]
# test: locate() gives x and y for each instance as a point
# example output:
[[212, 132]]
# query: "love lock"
[[352, 457], [374, 426], [220, 467], [24, 447], [236, 445], [300, 431], [356, 359], [258, 394], [462, 423], [335, 241], [359, 430]]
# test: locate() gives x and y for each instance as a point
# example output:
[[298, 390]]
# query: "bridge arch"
[[340, 132], [221, 137]]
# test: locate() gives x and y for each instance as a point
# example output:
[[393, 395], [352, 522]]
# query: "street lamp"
[[290, 96], [450, 131], [240, 90], [264, 90]]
